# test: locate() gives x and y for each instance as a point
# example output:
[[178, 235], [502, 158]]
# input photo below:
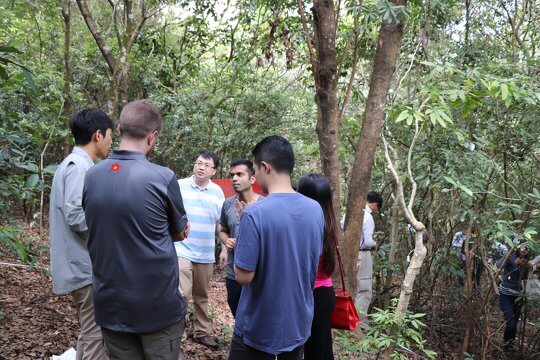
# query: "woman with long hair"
[[319, 345]]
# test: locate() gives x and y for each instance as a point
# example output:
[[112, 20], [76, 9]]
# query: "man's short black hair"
[[375, 197], [86, 122], [246, 162], [276, 151], [207, 154]]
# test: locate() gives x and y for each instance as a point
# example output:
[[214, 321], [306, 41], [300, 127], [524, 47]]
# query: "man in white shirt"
[[364, 278]]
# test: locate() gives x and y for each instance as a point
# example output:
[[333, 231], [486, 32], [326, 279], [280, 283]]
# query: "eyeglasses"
[[206, 165]]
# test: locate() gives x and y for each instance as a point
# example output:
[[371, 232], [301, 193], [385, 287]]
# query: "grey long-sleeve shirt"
[[71, 268]]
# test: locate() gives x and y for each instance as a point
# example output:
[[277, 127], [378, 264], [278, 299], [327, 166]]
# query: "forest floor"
[[35, 324]]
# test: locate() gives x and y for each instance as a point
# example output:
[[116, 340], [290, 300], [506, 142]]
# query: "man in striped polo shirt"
[[196, 254]]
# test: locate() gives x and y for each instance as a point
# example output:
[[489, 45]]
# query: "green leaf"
[[466, 190], [450, 180], [32, 181], [50, 169], [504, 91], [3, 73], [402, 116]]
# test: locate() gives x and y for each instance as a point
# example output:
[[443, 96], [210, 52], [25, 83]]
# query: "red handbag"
[[345, 315]]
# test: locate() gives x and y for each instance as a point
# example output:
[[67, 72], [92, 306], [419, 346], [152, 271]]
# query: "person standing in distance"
[[196, 255], [71, 269], [277, 252], [243, 177], [134, 212], [364, 277]]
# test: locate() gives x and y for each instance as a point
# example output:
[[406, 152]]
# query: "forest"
[[433, 104]]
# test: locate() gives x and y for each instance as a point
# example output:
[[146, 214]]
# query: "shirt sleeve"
[[73, 191], [246, 250], [176, 211], [368, 229], [223, 217]]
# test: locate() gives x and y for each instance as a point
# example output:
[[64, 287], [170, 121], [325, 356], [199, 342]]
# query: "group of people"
[[133, 246]]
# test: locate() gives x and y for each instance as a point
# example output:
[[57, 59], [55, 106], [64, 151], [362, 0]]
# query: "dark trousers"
[[163, 344], [241, 351], [511, 308], [319, 345], [234, 290]]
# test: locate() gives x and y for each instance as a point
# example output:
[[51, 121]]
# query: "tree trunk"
[[327, 129], [384, 65], [66, 109], [394, 221], [413, 270], [468, 289]]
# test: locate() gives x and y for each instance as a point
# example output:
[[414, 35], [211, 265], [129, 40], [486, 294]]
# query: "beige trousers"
[[194, 283], [90, 342], [364, 286]]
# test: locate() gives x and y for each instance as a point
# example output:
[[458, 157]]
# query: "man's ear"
[[152, 138], [97, 136], [252, 179], [118, 130], [266, 167]]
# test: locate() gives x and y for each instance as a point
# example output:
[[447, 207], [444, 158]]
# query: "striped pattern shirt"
[[203, 208]]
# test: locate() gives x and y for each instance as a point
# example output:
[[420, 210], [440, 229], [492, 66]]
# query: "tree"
[[127, 20]]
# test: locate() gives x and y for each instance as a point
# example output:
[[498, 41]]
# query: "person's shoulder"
[[163, 170], [309, 202], [216, 190]]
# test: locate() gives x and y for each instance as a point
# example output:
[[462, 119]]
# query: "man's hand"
[[240, 207], [184, 234], [228, 242], [222, 258], [521, 261]]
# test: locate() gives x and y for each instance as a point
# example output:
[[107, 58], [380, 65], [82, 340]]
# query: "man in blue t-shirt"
[[277, 250]]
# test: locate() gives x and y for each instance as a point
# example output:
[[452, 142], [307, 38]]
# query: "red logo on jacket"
[[115, 167]]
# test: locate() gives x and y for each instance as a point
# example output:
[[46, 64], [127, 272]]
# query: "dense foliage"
[[227, 73]]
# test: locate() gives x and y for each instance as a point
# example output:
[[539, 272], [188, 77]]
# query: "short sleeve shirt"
[[280, 239], [203, 206], [229, 220], [133, 208]]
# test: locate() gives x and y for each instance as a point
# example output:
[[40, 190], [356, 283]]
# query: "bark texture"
[[384, 65]]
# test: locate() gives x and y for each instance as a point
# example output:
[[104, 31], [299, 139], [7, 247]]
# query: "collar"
[[127, 155], [195, 186], [78, 151], [368, 209]]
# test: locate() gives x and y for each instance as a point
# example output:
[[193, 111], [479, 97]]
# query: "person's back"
[[277, 253], [125, 199], [134, 212], [280, 297]]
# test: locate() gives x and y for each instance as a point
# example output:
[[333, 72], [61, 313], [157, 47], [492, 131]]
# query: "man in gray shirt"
[[71, 268], [243, 177]]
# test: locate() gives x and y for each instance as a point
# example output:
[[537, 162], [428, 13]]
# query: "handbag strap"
[[340, 266]]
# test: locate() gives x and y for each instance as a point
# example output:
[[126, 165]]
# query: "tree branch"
[[96, 33], [308, 40]]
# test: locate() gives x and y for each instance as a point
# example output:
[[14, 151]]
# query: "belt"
[[370, 249]]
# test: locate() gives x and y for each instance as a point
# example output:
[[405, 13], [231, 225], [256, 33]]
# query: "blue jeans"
[[511, 308]]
